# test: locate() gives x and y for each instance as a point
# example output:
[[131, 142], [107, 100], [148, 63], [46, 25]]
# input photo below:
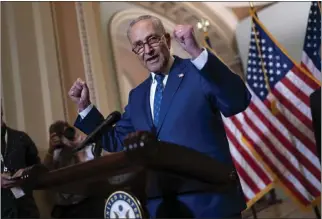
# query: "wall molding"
[[86, 50], [59, 61], [14, 53]]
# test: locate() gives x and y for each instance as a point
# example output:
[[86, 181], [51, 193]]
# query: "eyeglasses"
[[152, 41]]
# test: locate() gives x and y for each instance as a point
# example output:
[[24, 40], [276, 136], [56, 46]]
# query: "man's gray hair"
[[156, 22]]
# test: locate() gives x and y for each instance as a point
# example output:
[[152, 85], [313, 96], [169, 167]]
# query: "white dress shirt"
[[198, 62]]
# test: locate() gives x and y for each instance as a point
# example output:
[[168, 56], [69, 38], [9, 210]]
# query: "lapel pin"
[[180, 75]]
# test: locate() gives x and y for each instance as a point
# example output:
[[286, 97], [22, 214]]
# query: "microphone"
[[110, 120]]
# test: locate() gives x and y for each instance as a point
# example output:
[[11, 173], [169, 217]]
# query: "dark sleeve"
[[112, 140], [32, 156], [226, 90]]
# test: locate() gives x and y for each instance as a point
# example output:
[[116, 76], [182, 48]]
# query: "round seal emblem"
[[121, 204]]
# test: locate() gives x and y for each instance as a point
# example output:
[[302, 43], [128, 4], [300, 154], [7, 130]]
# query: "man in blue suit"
[[180, 102]]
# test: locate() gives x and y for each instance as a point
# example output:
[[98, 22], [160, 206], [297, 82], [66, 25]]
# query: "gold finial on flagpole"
[[251, 5], [203, 25]]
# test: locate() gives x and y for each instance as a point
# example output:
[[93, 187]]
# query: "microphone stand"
[[97, 140], [97, 149]]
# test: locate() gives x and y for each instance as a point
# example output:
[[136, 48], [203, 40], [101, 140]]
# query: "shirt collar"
[[166, 73]]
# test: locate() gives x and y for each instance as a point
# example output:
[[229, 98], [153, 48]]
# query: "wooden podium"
[[146, 169]]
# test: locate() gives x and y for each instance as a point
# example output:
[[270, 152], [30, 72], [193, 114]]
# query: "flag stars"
[[270, 56], [270, 49], [284, 66], [278, 72], [278, 65]]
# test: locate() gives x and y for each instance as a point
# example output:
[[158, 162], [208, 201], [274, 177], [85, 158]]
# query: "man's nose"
[[148, 49]]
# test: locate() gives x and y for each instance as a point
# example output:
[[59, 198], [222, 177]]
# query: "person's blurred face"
[[151, 46]]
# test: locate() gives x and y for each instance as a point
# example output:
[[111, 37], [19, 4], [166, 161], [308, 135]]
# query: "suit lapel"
[[176, 75]]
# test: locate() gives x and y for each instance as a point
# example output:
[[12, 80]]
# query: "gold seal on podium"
[[122, 204]]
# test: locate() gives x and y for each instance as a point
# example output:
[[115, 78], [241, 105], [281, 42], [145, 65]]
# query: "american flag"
[[311, 55], [277, 125], [255, 179]]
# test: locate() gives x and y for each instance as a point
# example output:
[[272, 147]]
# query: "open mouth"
[[152, 59]]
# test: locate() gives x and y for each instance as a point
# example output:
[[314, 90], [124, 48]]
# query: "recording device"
[[69, 133], [62, 129], [110, 120]]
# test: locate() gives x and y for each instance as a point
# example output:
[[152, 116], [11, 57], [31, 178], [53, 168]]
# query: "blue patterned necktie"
[[158, 98]]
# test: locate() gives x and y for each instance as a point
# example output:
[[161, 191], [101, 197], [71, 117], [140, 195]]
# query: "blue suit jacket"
[[190, 116]]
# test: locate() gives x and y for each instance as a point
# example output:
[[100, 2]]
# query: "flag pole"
[[273, 198], [274, 109]]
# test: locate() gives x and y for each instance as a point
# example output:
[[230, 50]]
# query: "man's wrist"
[[82, 107], [85, 111], [195, 53]]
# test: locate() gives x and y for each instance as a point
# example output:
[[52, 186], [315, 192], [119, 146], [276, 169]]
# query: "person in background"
[[63, 138], [315, 104], [18, 152]]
